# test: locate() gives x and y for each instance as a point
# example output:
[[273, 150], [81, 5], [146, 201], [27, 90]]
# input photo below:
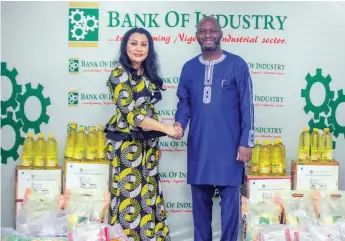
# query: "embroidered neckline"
[[216, 61]]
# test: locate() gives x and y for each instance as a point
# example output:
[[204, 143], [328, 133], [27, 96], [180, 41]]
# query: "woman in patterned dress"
[[137, 202]]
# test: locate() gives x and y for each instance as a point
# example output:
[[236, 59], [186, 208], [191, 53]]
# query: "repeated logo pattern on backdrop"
[[13, 111], [328, 107]]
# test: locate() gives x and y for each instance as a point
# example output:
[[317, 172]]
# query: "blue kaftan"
[[216, 99]]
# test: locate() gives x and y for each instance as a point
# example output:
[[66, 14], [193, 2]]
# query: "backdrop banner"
[[57, 56]]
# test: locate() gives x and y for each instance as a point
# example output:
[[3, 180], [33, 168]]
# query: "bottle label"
[[26, 160], [52, 160], [254, 165], [277, 168], [39, 161], [91, 153], [265, 167], [78, 153], [315, 155]]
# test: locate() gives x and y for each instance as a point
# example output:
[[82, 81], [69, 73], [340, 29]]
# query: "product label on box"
[[317, 177], [267, 188], [87, 176], [42, 181]]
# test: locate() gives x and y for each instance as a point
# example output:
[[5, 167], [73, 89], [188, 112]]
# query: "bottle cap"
[[82, 128], [326, 129], [92, 128], [74, 126], [100, 127], [315, 129], [41, 135], [51, 135], [266, 142], [305, 129], [30, 134], [258, 141], [277, 141]]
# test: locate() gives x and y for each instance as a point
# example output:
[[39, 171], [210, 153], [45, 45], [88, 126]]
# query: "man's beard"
[[216, 43]]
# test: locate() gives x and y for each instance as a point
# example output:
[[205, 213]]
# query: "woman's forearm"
[[151, 124]]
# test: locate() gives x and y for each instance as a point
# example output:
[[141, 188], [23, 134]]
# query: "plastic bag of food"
[[256, 215], [274, 232], [298, 207], [330, 205], [41, 215], [85, 207]]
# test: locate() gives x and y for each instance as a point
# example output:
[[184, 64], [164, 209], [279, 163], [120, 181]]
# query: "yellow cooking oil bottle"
[[28, 151], [327, 149], [254, 163], [91, 146], [265, 159], [304, 145], [277, 159], [71, 134], [80, 144], [282, 147], [101, 141], [52, 159], [40, 151], [315, 145]]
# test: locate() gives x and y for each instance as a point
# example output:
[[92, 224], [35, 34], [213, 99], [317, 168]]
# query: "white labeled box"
[[265, 188], [44, 181], [309, 175], [87, 175]]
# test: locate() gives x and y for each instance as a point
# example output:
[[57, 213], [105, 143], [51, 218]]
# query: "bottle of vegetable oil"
[[101, 143], [315, 145], [80, 144], [304, 145], [69, 149], [254, 163], [281, 145], [327, 153], [91, 146], [28, 150], [265, 159], [52, 152], [277, 160], [40, 151]]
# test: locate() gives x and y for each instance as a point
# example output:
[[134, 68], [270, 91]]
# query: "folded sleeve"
[[122, 95], [245, 88], [182, 114]]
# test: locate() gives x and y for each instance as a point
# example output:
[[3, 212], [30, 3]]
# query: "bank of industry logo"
[[73, 98], [73, 66], [83, 24]]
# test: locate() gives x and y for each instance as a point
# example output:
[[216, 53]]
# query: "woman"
[[137, 202]]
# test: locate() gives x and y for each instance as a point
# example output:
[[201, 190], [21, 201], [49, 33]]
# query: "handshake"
[[174, 131]]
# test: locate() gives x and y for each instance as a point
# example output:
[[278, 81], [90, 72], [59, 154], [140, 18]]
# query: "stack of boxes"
[[75, 174]]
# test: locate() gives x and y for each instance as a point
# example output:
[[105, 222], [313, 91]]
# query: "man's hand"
[[244, 154], [178, 126]]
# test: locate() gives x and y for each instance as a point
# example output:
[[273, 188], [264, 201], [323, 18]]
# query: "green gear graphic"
[[20, 114], [332, 120], [19, 140], [321, 124], [325, 81], [16, 88]]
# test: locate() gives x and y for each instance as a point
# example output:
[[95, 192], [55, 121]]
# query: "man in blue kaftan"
[[216, 99]]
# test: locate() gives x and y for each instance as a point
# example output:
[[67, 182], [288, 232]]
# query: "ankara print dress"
[[137, 202]]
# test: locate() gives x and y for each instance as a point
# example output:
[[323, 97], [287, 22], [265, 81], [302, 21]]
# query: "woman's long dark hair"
[[150, 63]]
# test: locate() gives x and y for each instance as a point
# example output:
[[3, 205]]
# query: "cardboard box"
[[264, 188], [17, 207], [44, 181], [315, 175], [87, 175]]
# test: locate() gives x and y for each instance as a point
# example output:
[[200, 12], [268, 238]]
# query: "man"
[[215, 96]]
